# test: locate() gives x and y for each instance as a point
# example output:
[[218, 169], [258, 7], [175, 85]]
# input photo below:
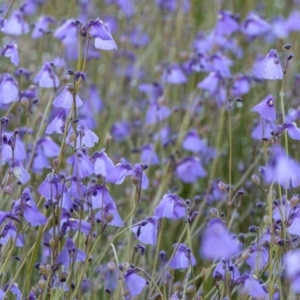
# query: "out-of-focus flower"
[[109, 215], [270, 68], [120, 131], [192, 141], [257, 258], [148, 155], [252, 287], [41, 26], [11, 51], [16, 24], [9, 90], [266, 108], [227, 23], [67, 32], [174, 75], [46, 77], [67, 98], [292, 268], [224, 267], [12, 148], [183, 258], [58, 123]]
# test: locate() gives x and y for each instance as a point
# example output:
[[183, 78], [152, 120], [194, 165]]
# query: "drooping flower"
[[192, 141], [14, 289], [67, 32], [266, 108], [84, 136], [154, 90], [263, 129], [171, 207], [217, 242], [224, 267], [76, 189], [292, 130], [227, 23], [241, 85], [108, 274], [20, 173], [257, 258], [12, 148], [99, 196], [292, 268], [51, 187], [134, 283], [16, 24], [118, 174], [292, 23], [220, 64], [58, 123], [211, 83], [157, 113], [67, 98], [103, 165], [120, 131], [148, 155], [109, 215], [9, 90], [146, 230], [11, 51], [46, 77], [10, 232], [41, 26], [270, 68], [183, 258], [252, 287], [174, 75]]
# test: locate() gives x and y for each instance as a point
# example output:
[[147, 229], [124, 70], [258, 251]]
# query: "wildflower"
[[224, 267], [292, 269], [67, 98], [183, 258], [148, 155], [227, 23], [20, 173], [217, 242], [16, 24], [76, 190], [109, 275], [120, 131], [171, 207], [220, 64], [254, 26], [9, 90], [12, 148], [84, 136], [134, 283], [109, 215], [241, 85], [10, 232], [82, 167], [211, 82], [266, 109], [174, 75], [146, 230], [189, 170], [67, 32], [292, 130], [58, 123], [41, 26], [157, 113], [139, 38], [252, 287], [154, 90], [11, 51], [46, 77], [103, 165], [192, 141], [14, 289], [257, 258], [270, 67], [118, 174], [263, 130]]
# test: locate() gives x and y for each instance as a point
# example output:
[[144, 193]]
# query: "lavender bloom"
[[127, 7], [220, 64], [18, 170], [139, 38], [292, 130], [109, 215], [266, 109], [217, 242], [118, 174], [12, 148], [223, 268], [51, 187], [66, 98], [58, 123], [292, 268], [157, 113], [85, 137], [183, 258], [174, 75], [77, 190], [15, 25], [9, 90], [227, 23], [148, 155], [69, 253], [120, 131], [46, 77], [140, 178], [170, 207], [192, 141], [154, 90], [10, 232], [292, 23], [263, 130], [241, 85], [281, 169], [134, 283], [14, 289], [270, 67], [102, 35], [189, 170], [103, 165], [211, 82], [11, 51], [99, 196], [67, 223], [109, 275], [257, 258], [67, 32], [81, 164], [41, 26], [252, 287], [146, 230], [254, 26]]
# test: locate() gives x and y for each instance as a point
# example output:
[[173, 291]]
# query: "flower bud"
[[294, 200], [255, 179], [42, 284], [177, 286], [267, 220], [222, 186]]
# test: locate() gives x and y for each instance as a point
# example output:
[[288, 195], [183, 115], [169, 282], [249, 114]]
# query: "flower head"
[[46, 77], [16, 24], [67, 98], [146, 230], [183, 258], [11, 51], [9, 90], [266, 109]]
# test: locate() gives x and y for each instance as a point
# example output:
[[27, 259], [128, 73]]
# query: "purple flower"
[[76, 190], [281, 169], [254, 26], [292, 268], [171, 207], [257, 258], [109, 215], [46, 77], [102, 35], [139, 38], [9, 90], [15, 25], [14, 289], [118, 174], [66, 98], [51, 187], [139, 176], [220, 64], [270, 67], [99, 196], [58, 123], [82, 167], [224, 267], [10, 232], [266, 109], [174, 75], [292, 23], [69, 254], [192, 141], [227, 23], [148, 155], [157, 113], [241, 85], [12, 148], [189, 170], [67, 32], [252, 287], [217, 242], [103, 165], [84, 136], [41, 26], [146, 230], [67, 223], [154, 90], [18, 170], [211, 82], [11, 51], [134, 283], [183, 258], [292, 130], [263, 130], [120, 131]]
